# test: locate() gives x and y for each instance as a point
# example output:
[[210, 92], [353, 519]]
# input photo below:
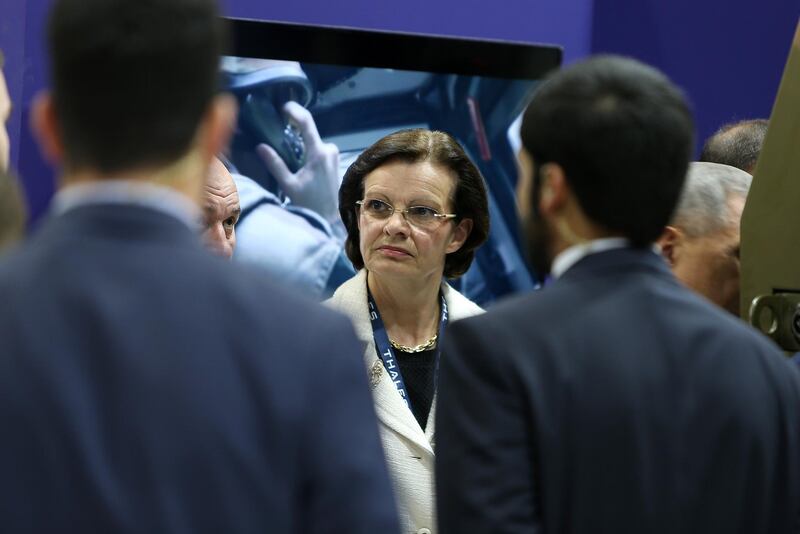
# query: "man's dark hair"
[[412, 146], [737, 144], [623, 133], [132, 78]]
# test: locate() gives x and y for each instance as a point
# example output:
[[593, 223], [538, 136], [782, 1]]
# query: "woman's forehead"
[[403, 180]]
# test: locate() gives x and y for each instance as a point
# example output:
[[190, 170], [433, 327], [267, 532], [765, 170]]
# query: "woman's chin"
[[392, 267]]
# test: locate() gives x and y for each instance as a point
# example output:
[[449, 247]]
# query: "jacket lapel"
[[390, 407]]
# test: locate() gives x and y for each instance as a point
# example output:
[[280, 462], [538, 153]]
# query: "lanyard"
[[386, 351]]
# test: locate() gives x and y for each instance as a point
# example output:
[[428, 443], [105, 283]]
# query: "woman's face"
[[395, 247]]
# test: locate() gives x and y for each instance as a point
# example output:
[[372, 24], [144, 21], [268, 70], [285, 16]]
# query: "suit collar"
[[351, 297], [618, 260], [575, 253], [129, 193], [118, 222]]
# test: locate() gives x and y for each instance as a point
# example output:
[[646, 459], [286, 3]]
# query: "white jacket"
[[409, 450]]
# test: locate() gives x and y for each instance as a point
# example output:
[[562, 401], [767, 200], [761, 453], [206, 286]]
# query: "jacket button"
[[424, 531]]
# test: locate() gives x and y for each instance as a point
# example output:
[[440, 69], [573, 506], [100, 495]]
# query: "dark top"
[[615, 401], [146, 386], [418, 370]]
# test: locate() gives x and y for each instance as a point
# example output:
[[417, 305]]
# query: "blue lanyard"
[[386, 351]]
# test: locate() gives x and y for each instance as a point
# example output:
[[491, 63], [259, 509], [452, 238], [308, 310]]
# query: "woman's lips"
[[394, 252]]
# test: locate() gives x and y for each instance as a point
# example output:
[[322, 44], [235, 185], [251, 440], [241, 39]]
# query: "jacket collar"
[[128, 193], [118, 222], [618, 260]]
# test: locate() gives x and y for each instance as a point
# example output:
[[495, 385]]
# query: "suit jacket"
[[616, 401], [148, 387], [409, 449]]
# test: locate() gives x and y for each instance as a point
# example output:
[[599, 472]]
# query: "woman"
[[415, 210]]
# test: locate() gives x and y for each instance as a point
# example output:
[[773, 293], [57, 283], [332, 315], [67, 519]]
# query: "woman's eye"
[[422, 212], [377, 206]]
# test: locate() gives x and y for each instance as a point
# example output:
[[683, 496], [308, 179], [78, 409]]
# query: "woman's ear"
[[460, 235]]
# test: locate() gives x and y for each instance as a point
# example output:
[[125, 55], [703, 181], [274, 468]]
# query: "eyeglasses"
[[419, 216]]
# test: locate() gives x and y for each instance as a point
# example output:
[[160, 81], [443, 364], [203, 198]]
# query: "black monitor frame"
[[394, 50], [472, 88]]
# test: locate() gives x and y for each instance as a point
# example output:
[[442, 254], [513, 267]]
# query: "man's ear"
[[524, 183], [554, 190], [217, 126], [670, 244], [46, 129]]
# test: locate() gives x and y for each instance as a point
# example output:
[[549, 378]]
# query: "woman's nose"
[[397, 224]]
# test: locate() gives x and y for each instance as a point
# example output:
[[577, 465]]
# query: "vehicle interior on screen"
[[354, 106]]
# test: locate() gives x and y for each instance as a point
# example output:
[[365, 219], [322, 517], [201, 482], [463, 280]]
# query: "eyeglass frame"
[[441, 217]]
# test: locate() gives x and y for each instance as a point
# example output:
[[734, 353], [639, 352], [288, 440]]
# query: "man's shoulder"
[[188, 274], [532, 307], [256, 288], [595, 308]]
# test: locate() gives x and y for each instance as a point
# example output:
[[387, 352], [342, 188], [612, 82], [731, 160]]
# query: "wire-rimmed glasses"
[[419, 216]]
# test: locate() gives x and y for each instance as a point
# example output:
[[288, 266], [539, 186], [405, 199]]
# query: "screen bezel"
[[381, 49]]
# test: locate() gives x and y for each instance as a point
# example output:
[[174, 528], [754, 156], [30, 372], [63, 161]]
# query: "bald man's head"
[[736, 144], [220, 210]]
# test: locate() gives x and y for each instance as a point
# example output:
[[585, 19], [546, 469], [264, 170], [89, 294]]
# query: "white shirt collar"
[[157, 197], [575, 253]]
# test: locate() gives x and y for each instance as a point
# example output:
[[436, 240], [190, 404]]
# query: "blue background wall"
[[727, 55]]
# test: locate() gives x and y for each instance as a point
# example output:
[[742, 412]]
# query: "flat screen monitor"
[[311, 99]]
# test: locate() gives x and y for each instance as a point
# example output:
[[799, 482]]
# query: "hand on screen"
[[316, 184]]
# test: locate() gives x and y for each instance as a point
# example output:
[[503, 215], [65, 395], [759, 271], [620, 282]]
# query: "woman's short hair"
[[413, 146]]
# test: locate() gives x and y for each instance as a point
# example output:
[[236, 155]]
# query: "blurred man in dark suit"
[[12, 211], [5, 112], [12, 206], [614, 400], [146, 386]]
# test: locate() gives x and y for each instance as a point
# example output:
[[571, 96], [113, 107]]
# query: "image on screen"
[[301, 124]]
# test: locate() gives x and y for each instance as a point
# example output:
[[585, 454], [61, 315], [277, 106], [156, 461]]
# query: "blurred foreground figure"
[[12, 207], [5, 111], [614, 400], [146, 386], [701, 244], [12, 211]]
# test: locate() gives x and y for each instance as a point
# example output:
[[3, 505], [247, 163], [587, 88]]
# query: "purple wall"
[[728, 55], [36, 175], [563, 22]]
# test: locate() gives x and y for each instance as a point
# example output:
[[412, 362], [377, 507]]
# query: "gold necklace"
[[428, 345]]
